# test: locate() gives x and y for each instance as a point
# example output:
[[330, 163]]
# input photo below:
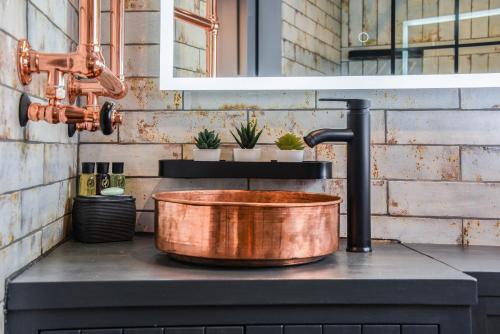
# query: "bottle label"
[[90, 183], [105, 183]]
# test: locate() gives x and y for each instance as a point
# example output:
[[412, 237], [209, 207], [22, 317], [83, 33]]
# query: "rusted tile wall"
[[435, 153], [37, 163]]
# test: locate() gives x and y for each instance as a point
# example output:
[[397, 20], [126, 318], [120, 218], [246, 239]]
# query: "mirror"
[[271, 38]]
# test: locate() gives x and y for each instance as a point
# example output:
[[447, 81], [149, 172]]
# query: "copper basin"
[[246, 228]]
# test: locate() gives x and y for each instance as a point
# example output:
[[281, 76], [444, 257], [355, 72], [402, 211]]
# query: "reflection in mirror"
[[228, 38]]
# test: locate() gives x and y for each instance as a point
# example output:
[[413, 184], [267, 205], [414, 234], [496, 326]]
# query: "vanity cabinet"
[[129, 287]]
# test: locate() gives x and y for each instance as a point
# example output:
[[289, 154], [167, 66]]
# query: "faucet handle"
[[352, 103]]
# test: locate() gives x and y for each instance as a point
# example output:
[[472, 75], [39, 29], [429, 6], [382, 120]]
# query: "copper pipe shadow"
[[246, 228], [86, 63]]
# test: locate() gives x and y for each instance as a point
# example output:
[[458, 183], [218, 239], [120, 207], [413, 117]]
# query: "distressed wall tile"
[[415, 162], [143, 188], [177, 126], [98, 137], [17, 255], [444, 199], [238, 100], [417, 230], [140, 160], [447, 127], [149, 64], [45, 204], [23, 168], [395, 99], [279, 122], [10, 213], [480, 98], [9, 114], [8, 54], [43, 35], [140, 27], [49, 133], [481, 232], [332, 187], [13, 14], [59, 162], [145, 94], [481, 163], [54, 233], [62, 14], [412, 162]]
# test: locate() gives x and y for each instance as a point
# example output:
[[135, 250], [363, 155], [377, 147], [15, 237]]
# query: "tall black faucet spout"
[[357, 136], [328, 135]]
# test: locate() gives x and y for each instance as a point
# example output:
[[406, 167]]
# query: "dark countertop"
[[481, 262], [136, 274]]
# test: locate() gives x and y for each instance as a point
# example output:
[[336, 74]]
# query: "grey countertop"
[[136, 274], [481, 262]]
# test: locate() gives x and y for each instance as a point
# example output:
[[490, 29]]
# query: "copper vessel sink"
[[246, 228]]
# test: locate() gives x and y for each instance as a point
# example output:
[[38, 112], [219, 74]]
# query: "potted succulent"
[[291, 148], [248, 136], [207, 146]]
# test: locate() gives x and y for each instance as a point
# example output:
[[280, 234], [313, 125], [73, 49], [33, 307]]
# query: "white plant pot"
[[290, 155], [243, 154], [206, 154]]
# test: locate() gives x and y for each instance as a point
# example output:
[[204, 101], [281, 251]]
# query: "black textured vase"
[[103, 219]]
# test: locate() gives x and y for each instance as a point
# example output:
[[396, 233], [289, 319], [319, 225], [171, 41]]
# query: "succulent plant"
[[248, 135], [207, 140], [290, 141]]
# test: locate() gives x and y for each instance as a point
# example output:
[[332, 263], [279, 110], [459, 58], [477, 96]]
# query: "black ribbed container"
[[103, 218]]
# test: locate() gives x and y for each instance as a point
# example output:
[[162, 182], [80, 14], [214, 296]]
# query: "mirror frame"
[[169, 82]]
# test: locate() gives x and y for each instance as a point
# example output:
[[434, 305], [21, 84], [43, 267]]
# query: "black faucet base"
[[359, 249]]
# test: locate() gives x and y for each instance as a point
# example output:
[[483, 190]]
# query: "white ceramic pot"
[[206, 154], [244, 154], [290, 155]]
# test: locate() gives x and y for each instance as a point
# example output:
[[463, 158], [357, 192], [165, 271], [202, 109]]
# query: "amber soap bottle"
[[102, 177], [87, 184]]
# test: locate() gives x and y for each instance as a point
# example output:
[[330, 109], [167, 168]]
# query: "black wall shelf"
[[246, 170]]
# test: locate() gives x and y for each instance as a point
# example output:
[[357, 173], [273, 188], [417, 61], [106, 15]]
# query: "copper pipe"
[[117, 39], [211, 25], [87, 62]]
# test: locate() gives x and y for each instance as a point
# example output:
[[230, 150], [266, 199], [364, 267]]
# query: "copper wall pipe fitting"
[[86, 62]]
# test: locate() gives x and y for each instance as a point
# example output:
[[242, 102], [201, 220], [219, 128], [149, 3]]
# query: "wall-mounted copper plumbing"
[[79, 73]]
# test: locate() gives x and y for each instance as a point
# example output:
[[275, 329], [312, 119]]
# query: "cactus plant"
[[290, 141], [248, 135], [207, 140]]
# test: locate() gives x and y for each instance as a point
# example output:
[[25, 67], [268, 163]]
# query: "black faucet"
[[357, 136]]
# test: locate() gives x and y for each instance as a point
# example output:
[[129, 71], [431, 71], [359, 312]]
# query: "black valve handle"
[[106, 118], [24, 104]]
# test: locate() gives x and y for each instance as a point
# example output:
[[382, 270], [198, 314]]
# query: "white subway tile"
[[9, 113], [444, 199]]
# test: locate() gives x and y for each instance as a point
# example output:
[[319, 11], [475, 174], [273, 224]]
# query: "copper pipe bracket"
[[23, 61]]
